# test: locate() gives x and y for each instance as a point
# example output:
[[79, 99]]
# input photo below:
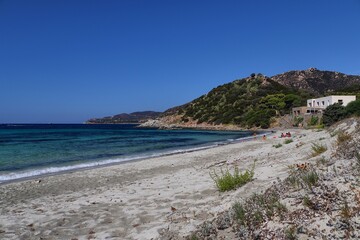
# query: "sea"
[[29, 150]]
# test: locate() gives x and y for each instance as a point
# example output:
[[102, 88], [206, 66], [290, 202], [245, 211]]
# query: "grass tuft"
[[287, 141], [227, 181], [194, 237], [357, 157], [310, 178], [277, 145], [343, 137], [307, 202], [345, 211], [258, 208], [290, 233], [317, 149]]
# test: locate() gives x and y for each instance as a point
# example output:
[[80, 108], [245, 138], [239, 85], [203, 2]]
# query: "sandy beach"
[[148, 198]]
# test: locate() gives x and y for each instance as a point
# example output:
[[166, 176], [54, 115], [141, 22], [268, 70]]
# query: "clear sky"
[[64, 61]]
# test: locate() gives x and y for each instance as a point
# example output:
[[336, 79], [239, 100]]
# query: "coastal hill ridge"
[[256, 101], [135, 117]]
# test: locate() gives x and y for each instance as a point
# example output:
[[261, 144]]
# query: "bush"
[[353, 108], [277, 145], [287, 141], [314, 120], [257, 208], [333, 114], [298, 120], [228, 181]]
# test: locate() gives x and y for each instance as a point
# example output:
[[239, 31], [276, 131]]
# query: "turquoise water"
[[30, 150]]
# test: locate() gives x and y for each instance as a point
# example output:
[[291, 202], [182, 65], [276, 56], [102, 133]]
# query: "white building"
[[324, 102]]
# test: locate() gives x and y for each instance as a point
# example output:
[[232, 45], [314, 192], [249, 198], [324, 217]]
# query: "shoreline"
[[110, 162], [136, 200]]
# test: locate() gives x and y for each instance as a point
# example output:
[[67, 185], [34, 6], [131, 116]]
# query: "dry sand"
[[137, 200]]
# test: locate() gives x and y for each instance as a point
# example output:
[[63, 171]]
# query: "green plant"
[[322, 138], [287, 141], [313, 120], [357, 157], [334, 133], [345, 211], [293, 181], [310, 178], [298, 120], [307, 202], [277, 145], [290, 233], [239, 213], [318, 149], [194, 237], [227, 181], [343, 137], [353, 108], [321, 161], [333, 114], [257, 208]]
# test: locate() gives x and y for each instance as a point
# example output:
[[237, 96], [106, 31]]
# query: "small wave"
[[53, 170]]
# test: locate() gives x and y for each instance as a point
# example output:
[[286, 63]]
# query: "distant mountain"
[[135, 117], [258, 101], [318, 82]]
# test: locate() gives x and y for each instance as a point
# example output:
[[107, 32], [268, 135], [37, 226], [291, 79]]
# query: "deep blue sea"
[[30, 150]]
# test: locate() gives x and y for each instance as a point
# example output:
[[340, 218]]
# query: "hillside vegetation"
[[255, 101], [249, 102], [258, 100]]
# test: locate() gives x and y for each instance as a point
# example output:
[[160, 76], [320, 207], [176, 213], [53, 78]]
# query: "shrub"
[[313, 120], [257, 208], [227, 181], [287, 141], [333, 114], [318, 149], [303, 178], [277, 145], [239, 213], [298, 120], [353, 108]]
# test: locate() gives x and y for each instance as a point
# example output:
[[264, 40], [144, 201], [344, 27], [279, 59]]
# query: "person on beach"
[[264, 137]]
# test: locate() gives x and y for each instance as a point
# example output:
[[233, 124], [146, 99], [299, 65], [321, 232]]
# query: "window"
[[309, 104], [340, 101], [318, 103], [323, 103]]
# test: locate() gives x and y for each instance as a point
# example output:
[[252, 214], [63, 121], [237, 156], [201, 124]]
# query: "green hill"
[[256, 101]]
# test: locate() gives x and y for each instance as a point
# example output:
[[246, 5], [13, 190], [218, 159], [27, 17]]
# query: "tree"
[[353, 108], [274, 101], [333, 114]]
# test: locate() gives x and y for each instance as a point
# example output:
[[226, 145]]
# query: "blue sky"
[[65, 61]]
